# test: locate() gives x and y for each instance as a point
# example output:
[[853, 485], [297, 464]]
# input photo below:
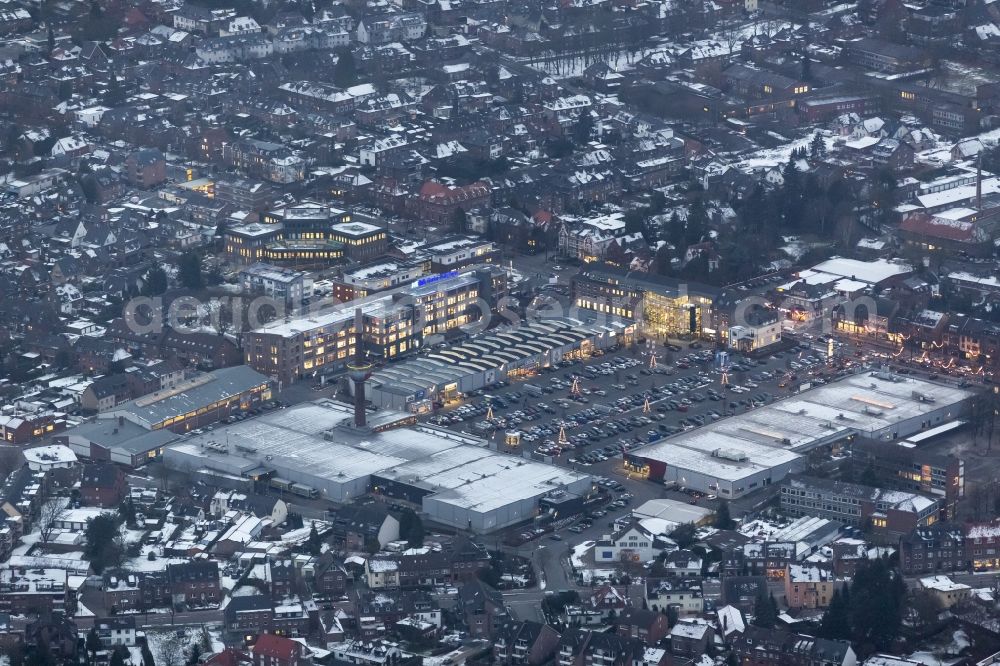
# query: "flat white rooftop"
[[867, 404], [311, 439], [871, 272], [672, 511]]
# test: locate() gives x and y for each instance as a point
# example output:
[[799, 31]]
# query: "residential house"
[[525, 643], [938, 547], [102, 484], [808, 586], [683, 595], [106, 392], [195, 582], [945, 590], [632, 544], [606, 600], [356, 526], [482, 609], [580, 647], [247, 615], [115, 631], [382, 572], [272, 650], [690, 637], [683, 564], [775, 647], [648, 626], [329, 577]]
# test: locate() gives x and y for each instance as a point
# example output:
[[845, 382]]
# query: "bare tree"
[[172, 650], [164, 474], [731, 36], [51, 512]]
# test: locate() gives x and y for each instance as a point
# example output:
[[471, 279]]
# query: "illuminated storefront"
[[662, 307]]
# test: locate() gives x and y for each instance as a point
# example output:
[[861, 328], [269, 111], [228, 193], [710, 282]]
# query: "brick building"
[[195, 582], [579, 647], [915, 469], [525, 644], [102, 484], [436, 203], [774, 647], [271, 650], [146, 168], [26, 591], [982, 545]]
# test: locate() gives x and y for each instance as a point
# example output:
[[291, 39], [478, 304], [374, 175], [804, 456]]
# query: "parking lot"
[[585, 413]]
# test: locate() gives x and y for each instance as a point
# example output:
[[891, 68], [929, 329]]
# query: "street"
[[187, 618], [693, 379]]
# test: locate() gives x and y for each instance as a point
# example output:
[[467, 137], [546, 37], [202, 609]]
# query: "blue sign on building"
[[431, 279]]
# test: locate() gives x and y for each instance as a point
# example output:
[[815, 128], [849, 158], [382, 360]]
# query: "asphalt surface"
[[693, 382], [549, 553]]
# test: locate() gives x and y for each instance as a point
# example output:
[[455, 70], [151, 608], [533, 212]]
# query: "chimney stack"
[[359, 370]]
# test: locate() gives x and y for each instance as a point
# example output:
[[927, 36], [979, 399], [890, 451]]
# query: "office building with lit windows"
[[309, 235], [396, 322], [660, 306], [374, 277], [890, 513], [909, 466]]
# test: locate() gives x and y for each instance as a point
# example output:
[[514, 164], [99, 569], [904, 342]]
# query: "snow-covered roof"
[[49, 455]]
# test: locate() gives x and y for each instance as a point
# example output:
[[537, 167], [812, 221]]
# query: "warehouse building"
[[118, 441], [456, 479], [442, 374], [198, 401], [738, 455]]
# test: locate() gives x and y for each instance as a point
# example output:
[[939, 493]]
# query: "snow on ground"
[[759, 528], [931, 659], [570, 66], [962, 79], [172, 641], [990, 138], [794, 249], [589, 575], [579, 550], [83, 611], [133, 536], [216, 638], [520, 581], [959, 642], [772, 157], [143, 563]]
